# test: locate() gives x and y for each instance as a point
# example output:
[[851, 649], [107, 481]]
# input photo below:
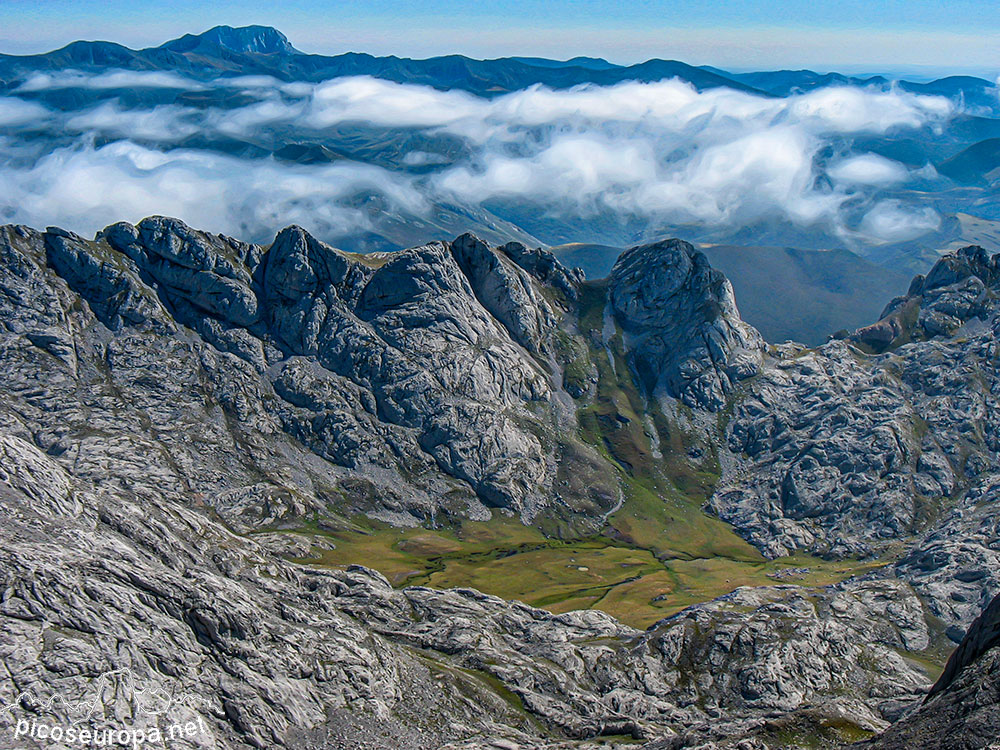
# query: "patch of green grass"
[[403, 555], [507, 559], [371, 260], [549, 576], [812, 733], [701, 580], [673, 525]]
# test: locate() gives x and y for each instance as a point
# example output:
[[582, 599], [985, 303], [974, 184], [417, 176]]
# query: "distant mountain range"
[[226, 50]]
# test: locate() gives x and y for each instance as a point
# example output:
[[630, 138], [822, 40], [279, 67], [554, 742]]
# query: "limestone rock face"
[[840, 451], [422, 371], [544, 266], [826, 454], [192, 612], [191, 268], [955, 565], [504, 290], [753, 652], [683, 332]]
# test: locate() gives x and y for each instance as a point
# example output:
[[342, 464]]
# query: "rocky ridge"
[[419, 370], [177, 399]]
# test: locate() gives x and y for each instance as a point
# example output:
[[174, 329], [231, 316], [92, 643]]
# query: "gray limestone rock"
[[683, 332], [962, 709]]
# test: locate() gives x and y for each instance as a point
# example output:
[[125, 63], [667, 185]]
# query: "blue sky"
[[850, 35]]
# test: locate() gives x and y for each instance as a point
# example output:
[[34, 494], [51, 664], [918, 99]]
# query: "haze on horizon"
[[920, 37]]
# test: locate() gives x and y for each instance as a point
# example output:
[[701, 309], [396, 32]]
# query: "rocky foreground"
[[176, 403]]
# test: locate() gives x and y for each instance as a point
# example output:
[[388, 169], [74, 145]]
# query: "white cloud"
[[164, 124], [735, 157], [659, 151], [248, 120], [15, 111], [848, 109], [112, 79], [266, 84], [379, 102], [423, 158], [891, 221], [87, 188], [868, 169]]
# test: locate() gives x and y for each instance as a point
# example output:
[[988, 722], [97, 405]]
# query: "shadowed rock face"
[[983, 636], [962, 710], [684, 334]]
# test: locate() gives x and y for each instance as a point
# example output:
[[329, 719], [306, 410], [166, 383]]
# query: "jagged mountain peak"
[[260, 40], [689, 340], [960, 287]]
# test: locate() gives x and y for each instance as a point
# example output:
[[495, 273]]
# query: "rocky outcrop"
[[824, 455], [754, 652], [429, 376], [208, 622], [960, 287], [505, 291], [545, 267], [955, 565], [841, 452], [683, 332], [962, 710]]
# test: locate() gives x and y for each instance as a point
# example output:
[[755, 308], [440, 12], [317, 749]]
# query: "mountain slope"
[[973, 164]]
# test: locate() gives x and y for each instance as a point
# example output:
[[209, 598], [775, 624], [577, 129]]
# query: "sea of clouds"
[[82, 151]]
